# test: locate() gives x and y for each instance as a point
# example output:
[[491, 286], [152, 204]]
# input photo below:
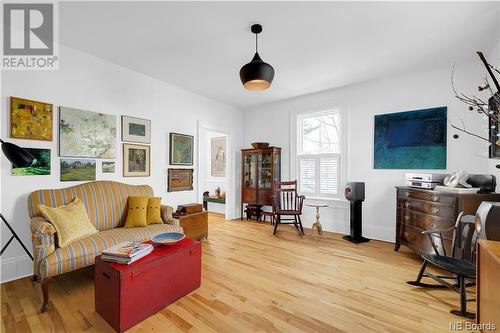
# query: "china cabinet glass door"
[[276, 167], [250, 174], [265, 173]]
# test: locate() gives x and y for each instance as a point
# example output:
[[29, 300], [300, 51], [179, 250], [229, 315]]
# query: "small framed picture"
[[180, 180], [136, 129], [108, 167], [181, 149], [136, 160]]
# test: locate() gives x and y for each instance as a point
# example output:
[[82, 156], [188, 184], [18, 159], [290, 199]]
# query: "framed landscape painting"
[[180, 180], [218, 157], [136, 129], [40, 167], [181, 149], [30, 120], [108, 167], [136, 160], [77, 170], [411, 140], [86, 134]]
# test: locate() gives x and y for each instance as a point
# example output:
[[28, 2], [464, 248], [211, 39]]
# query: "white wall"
[[207, 182], [89, 83], [494, 59], [412, 91]]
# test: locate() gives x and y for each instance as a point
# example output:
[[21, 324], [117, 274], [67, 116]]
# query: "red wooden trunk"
[[127, 294]]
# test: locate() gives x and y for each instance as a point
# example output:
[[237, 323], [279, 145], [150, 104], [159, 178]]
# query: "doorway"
[[213, 170]]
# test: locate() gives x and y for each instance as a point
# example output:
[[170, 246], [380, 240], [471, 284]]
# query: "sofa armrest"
[[43, 236], [166, 215]]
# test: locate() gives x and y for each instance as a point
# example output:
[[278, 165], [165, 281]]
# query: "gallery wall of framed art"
[[89, 83]]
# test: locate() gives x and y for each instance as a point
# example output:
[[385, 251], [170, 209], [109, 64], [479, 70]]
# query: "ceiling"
[[313, 46]]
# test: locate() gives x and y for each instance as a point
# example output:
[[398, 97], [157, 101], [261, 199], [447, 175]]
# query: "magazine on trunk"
[[126, 250], [126, 260]]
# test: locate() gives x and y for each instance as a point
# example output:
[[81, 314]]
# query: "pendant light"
[[257, 74]]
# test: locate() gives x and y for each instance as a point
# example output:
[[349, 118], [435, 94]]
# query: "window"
[[319, 153]]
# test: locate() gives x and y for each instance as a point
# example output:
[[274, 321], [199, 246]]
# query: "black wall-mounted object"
[[355, 193]]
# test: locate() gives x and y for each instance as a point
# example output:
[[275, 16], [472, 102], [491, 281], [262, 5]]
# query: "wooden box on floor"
[[488, 276], [195, 225], [127, 294]]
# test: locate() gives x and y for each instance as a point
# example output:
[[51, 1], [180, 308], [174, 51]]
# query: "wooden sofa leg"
[[45, 290]]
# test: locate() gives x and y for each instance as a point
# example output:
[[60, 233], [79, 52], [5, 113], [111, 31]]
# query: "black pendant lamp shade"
[[18, 156], [257, 74]]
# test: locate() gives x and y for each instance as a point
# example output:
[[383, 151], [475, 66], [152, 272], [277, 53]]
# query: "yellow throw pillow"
[[71, 221], [153, 215], [137, 211]]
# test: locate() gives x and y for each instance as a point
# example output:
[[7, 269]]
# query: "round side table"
[[317, 225]]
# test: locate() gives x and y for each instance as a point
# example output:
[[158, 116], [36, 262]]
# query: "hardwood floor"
[[252, 281]]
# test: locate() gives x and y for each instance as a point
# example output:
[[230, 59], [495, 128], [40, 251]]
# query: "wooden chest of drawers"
[[418, 210]]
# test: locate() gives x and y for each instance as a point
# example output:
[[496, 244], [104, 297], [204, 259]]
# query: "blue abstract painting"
[[411, 140]]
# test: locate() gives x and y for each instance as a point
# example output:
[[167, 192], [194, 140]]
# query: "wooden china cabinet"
[[259, 168]]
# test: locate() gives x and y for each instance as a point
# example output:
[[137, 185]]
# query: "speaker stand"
[[356, 224]]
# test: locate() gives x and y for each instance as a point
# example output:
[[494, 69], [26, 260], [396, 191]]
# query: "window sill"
[[332, 200]]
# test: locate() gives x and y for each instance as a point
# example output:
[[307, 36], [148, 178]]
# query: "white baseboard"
[[15, 268], [385, 234]]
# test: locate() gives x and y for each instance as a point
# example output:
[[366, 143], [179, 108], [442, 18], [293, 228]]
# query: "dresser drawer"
[[418, 242], [426, 207], [425, 222], [428, 196]]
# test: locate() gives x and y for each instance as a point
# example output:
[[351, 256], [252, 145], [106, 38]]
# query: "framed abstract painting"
[[180, 180], [181, 149], [86, 134], [136, 129], [30, 120], [136, 160], [411, 140]]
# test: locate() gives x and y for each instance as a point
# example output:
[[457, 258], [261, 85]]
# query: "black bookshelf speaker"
[[488, 220], [355, 191]]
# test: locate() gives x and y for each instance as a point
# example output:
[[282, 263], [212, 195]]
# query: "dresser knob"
[[407, 194], [406, 217], [434, 210], [435, 197], [405, 233], [407, 204]]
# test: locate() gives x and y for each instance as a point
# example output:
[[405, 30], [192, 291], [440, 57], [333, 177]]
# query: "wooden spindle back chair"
[[287, 204], [460, 262]]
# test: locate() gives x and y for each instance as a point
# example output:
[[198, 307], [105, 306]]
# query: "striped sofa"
[[106, 204]]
